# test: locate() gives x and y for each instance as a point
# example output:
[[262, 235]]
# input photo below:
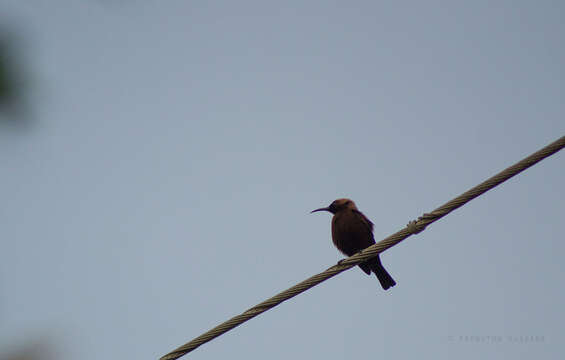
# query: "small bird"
[[353, 232]]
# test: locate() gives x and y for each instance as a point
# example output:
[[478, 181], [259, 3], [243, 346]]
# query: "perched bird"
[[353, 232]]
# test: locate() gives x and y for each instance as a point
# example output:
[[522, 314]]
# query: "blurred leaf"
[[12, 84]]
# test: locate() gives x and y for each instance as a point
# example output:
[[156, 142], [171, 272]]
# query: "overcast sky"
[[164, 182]]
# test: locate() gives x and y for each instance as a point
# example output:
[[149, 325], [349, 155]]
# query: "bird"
[[353, 232]]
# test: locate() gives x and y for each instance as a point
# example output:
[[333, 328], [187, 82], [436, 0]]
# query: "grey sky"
[[177, 148]]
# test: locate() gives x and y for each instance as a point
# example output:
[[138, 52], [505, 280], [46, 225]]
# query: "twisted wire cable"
[[413, 227]]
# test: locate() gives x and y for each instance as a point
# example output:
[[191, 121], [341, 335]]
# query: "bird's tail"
[[384, 277]]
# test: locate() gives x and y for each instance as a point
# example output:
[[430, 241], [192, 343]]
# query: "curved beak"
[[320, 209]]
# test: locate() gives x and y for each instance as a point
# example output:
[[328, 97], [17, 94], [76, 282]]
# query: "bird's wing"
[[351, 232], [366, 223]]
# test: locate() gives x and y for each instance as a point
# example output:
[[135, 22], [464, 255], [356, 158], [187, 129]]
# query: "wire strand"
[[413, 227]]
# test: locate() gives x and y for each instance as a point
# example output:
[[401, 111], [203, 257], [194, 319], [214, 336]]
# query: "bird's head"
[[338, 205]]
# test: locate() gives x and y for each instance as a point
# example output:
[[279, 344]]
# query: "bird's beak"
[[320, 209]]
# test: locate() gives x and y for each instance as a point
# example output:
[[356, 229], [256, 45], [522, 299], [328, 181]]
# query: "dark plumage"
[[353, 232]]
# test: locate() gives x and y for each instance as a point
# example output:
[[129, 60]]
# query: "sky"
[[164, 180]]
